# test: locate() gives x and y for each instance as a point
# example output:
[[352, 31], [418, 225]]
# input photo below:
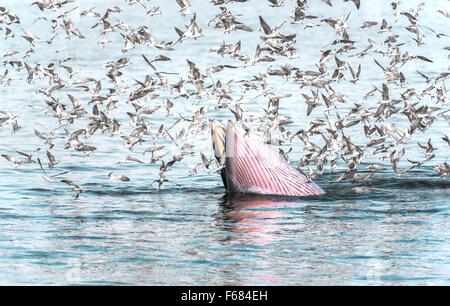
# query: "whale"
[[248, 165]]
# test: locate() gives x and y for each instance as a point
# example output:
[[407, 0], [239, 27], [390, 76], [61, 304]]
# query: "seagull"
[[16, 163], [192, 31], [47, 177], [29, 37], [114, 178], [185, 6], [75, 187]]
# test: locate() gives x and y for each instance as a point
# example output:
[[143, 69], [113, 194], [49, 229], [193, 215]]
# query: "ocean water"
[[190, 232]]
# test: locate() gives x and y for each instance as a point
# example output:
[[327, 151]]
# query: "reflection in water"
[[256, 224], [256, 217]]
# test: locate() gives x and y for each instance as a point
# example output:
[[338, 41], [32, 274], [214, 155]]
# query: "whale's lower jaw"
[[251, 166], [285, 184]]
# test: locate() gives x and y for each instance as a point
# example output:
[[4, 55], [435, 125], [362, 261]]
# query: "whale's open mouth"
[[251, 166]]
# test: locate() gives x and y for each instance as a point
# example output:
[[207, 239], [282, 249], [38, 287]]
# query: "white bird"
[[114, 178]]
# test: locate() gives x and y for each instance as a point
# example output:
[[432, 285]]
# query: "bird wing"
[[266, 28]]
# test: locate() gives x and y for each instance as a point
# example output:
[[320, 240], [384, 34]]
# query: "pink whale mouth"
[[251, 166]]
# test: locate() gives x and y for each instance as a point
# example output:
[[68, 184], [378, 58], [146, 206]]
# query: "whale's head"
[[249, 165]]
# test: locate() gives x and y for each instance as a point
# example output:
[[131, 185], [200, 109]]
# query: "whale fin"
[[255, 167]]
